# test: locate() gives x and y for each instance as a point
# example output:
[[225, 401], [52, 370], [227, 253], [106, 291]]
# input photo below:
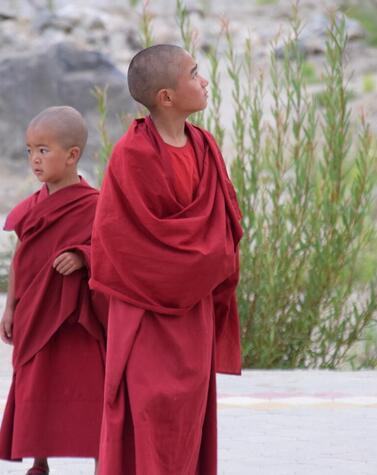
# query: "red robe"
[[55, 402], [171, 269]]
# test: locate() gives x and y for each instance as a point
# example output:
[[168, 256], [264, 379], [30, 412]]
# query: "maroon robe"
[[170, 268], [55, 402]]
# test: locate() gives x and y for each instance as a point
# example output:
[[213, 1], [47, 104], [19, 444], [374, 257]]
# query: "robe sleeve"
[[17, 213], [84, 250]]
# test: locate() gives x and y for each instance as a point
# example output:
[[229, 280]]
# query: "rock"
[[70, 17], [312, 40], [87, 17], [319, 24], [6, 13], [47, 20], [8, 35], [165, 31], [133, 39], [61, 74], [9, 9]]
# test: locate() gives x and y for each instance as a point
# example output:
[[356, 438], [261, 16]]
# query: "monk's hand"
[[6, 325], [68, 262]]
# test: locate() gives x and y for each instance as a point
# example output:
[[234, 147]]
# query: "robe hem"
[[229, 372]]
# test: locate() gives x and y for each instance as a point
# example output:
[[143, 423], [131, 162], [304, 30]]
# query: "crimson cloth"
[[186, 173], [170, 269], [55, 402]]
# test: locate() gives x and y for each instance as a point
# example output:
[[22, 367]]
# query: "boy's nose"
[[203, 81], [34, 157]]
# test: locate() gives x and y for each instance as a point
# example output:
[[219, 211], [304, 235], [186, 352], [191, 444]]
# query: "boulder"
[[62, 74], [6, 13], [312, 40]]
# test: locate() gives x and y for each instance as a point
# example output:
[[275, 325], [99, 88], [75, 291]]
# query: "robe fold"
[[55, 402], [170, 269]]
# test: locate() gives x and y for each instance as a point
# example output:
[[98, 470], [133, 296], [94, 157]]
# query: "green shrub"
[[320, 97], [309, 73], [306, 225], [364, 353], [106, 145]]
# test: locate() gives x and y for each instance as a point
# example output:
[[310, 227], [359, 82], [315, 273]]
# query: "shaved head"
[[66, 123], [153, 69]]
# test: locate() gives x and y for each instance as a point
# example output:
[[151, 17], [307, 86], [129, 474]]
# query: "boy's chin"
[[41, 179], [195, 111]]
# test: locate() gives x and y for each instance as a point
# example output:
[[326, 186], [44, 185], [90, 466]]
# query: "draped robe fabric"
[[170, 270], [55, 401]]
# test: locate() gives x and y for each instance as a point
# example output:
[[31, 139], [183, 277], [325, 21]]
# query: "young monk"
[[55, 402], [165, 242]]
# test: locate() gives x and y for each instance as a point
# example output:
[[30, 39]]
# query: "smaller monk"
[[165, 250], [55, 401]]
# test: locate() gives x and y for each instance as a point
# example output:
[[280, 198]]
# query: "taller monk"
[[165, 250]]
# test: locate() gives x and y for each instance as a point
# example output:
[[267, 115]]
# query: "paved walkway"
[[275, 423]]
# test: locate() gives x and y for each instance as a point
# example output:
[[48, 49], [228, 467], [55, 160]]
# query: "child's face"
[[49, 160], [190, 94]]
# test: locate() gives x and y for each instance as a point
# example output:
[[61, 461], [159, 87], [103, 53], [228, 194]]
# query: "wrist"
[[81, 258]]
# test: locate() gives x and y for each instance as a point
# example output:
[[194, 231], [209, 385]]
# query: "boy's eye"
[[28, 151], [43, 150]]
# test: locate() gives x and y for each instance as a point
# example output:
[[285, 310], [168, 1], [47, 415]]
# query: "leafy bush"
[[306, 224]]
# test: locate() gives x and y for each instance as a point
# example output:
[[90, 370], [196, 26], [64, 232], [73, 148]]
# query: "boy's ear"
[[74, 155], [164, 97]]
